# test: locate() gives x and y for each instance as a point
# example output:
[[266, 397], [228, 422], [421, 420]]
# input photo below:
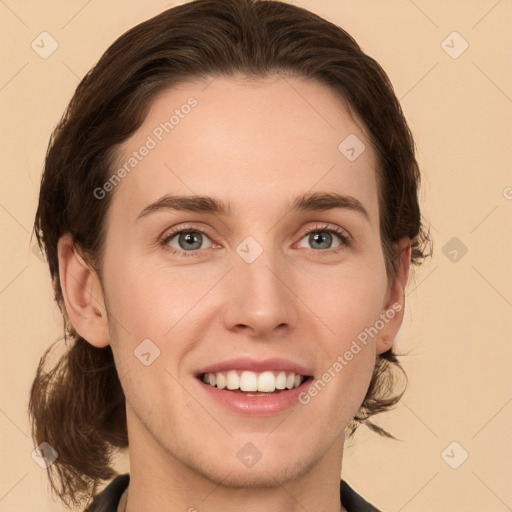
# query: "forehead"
[[247, 142]]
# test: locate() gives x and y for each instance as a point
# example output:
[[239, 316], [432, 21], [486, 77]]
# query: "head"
[[266, 116]]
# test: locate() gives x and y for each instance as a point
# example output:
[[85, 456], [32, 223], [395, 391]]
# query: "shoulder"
[[352, 501], [108, 499]]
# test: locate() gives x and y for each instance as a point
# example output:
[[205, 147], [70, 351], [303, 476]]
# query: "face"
[[269, 283]]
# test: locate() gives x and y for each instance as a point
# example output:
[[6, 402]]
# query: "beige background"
[[458, 327]]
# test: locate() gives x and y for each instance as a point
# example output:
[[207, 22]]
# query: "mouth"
[[248, 383], [255, 388]]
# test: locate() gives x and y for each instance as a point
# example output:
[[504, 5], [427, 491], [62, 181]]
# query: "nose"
[[260, 298]]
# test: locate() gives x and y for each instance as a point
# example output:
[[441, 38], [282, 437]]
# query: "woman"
[[229, 211]]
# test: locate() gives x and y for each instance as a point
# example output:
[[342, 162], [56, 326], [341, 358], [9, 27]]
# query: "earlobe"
[[82, 294], [393, 312]]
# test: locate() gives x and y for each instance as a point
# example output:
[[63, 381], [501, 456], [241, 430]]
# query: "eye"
[[185, 240], [189, 240], [321, 237]]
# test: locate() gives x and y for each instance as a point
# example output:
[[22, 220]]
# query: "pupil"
[[318, 237], [190, 239]]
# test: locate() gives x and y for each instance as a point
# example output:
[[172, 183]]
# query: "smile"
[[254, 388], [246, 381]]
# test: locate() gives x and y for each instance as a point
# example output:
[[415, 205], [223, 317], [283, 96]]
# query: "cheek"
[[146, 310], [356, 309], [146, 300], [350, 305], [350, 301], [161, 304]]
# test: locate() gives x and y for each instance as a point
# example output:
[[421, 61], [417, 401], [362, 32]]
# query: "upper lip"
[[246, 363]]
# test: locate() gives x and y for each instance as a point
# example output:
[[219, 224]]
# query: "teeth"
[[221, 381], [265, 382], [281, 380], [248, 381], [232, 380]]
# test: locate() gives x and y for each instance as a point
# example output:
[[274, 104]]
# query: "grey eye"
[[321, 240], [187, 240]]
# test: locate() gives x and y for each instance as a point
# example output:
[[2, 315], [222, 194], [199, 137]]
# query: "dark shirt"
[[108, 499]]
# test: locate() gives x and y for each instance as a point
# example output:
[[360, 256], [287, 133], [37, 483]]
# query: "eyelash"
[[345, 240]]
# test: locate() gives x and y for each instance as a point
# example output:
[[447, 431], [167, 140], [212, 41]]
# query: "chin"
[[264, 474]]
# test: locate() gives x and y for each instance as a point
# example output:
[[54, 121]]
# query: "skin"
[[255, 146]]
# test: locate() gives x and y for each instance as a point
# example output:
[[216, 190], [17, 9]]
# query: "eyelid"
[[342, 233]]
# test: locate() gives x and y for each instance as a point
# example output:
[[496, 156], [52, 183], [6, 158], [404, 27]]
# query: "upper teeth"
[[266, 382]]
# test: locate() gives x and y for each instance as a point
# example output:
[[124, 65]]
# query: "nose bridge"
[[259, 297]]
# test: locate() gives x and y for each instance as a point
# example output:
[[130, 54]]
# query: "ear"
[[82, 294], [393, 312]]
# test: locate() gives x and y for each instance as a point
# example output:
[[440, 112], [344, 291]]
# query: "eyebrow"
[[313, 201]]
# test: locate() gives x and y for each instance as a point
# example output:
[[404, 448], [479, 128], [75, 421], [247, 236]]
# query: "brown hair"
[[77, 405]]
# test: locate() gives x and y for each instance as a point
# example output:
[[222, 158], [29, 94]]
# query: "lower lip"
[[256, 405]]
